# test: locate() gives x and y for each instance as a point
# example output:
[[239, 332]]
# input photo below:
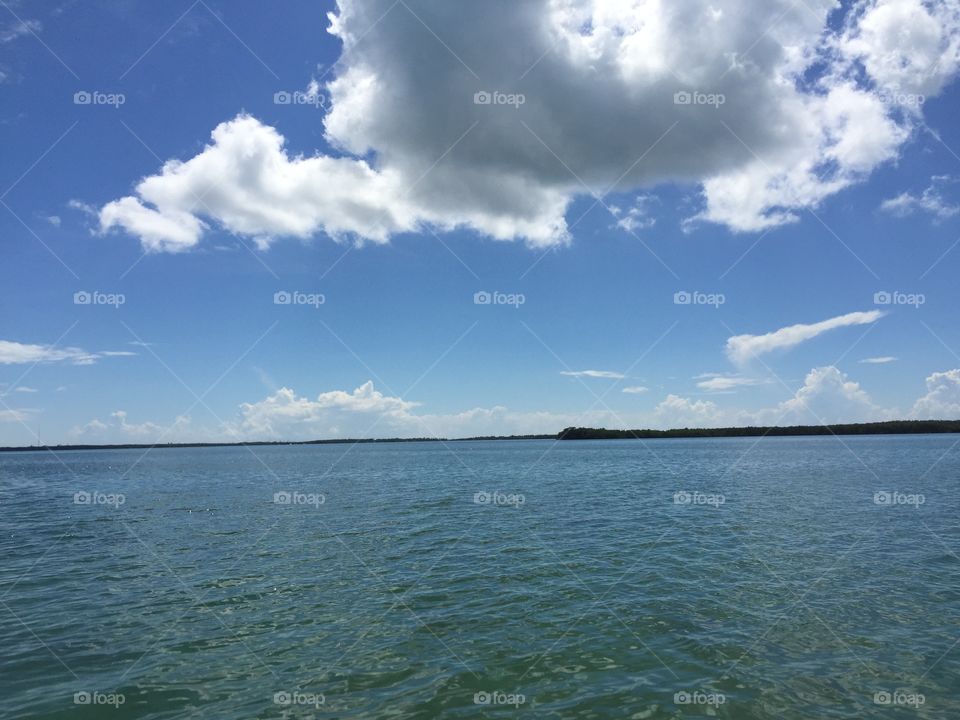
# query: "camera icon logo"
[[882, 497], [282, 498], [681, 698], [882, 698], [282, 98], [482, 698], [482, 298], [82, 97], [282, 698], [82, 498], [682, 497], [882, 298], [682, 98], [482, 98], [682, 298], [282, 297], [82, 297], [481, 498], [82, 698]]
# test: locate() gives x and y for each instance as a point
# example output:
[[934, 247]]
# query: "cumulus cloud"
[[907, 45], [676, 411], [942, 401], [929, 201], [828, 396], [594, 374], [117, 429], [742, 348], [420, 139], [15, 353]]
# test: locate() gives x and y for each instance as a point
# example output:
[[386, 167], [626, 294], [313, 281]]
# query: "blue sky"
[[470, 198]]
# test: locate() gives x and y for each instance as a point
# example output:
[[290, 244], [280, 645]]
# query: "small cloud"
[[83, 207], [15, 353], [878, 360], [638, 216], [594, 374], [635, 390], [53, 220], [25, 389], [723, 383], [930, 201], [19, 29]]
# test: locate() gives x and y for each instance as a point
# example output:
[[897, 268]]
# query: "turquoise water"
[[580, 583]]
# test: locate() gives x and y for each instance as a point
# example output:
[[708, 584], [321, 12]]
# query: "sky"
[[228, 221]]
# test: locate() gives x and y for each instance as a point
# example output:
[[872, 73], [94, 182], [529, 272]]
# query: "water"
[[385, 590]]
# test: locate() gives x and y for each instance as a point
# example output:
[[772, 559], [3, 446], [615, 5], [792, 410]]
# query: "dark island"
[[892, 427]]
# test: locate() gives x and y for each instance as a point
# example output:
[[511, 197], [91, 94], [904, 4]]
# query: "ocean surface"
[[782, 578]]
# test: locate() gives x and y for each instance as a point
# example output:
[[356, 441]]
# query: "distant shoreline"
[[892, 427]]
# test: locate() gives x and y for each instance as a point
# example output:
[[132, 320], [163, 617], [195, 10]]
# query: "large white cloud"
[[942, 401], [827, 396], [800, 119]]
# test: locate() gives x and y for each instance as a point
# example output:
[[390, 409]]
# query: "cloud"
[[117, 429], [930, 201], [15, 353], [635, 389], [722, 383], [676, 411], [25, 389], [594, 374], [942, 401], [410, 146], [362, 413], [18, 29], [14, 416], [742, 348], [878, 360], [827, 397], [906, 45], [636, 217]]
